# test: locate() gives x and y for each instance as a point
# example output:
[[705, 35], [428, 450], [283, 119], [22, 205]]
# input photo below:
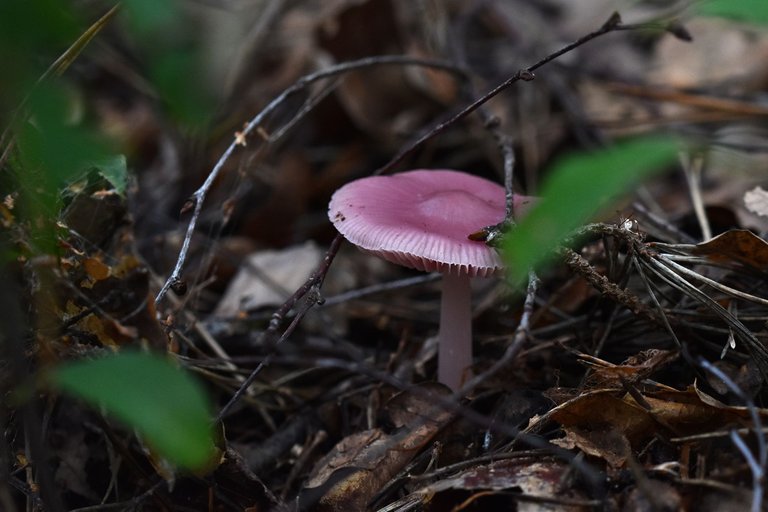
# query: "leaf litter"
[[593, 394]]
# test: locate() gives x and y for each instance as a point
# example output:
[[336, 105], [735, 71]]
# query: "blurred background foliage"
[[44, 104], [51, 144]]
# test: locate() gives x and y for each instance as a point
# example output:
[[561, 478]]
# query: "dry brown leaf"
[[96, 218], [126, 311], [109, 332], [609, 444], [541, 479], [96, 269], [362, 463], [736, 246], [269, 277], [593, 414], [640, 366], [684, 413], [602, 410]]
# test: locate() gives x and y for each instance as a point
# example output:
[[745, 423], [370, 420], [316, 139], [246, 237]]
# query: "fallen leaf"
[[608, 444], [603, 410], [736, 246], [635, 368], [93, 216], [126, 312], [541, 478], [269, 277], [362, 463], [667, 412], [96, 269]]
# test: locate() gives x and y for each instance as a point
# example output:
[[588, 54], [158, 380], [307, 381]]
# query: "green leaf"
[[175, 59], [579, 186], [52, 143], [150, 17], [148, 393], [32, 33], [177, 76], [755, 11], [52, 152], [114, 169]]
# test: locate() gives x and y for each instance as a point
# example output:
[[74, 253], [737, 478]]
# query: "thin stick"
[[724, 105], [198, 197], [318, 276], [492, 124], [757, 467], [379, 288], [714, 284], [522, 334], [755, 348], [592, 475], [526, 74], [314, 282], [692, 168]]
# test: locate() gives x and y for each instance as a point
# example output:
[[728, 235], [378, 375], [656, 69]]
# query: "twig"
[[592, 476], [722, 105], [492, 124], [317, 277], [379, 288], [692, 168], [525, 74], [629, 300], [309, 104], [756, 349], [522, 334], [714, 284], [714, 435], [198, 197], [313, 283], [652, 295], [757, 467]]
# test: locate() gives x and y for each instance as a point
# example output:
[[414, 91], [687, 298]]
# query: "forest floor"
[[628, 375]]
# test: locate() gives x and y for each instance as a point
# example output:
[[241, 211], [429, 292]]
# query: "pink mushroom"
[[422, 219]]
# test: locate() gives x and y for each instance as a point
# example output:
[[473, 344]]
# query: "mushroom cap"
[[421, 219]]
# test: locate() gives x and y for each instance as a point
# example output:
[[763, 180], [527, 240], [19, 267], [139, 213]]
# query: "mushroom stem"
[[455, 333]]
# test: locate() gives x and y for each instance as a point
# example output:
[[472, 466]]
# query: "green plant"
[[148, 393], [747, 10], [578, 187], [47, 144]]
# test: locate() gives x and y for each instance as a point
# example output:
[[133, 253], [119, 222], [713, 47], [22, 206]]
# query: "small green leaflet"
[[755, 11], [578, 187], [115, 170], [148, 393]]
